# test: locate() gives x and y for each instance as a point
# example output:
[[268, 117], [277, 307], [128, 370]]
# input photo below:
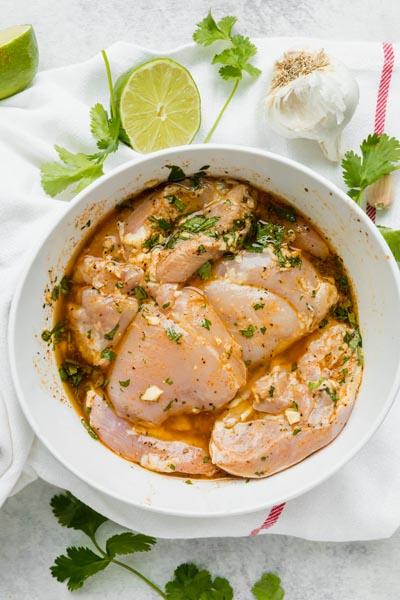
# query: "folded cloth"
[[362, 501]]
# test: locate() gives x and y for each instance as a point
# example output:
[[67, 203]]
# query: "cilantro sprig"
[[188, 583], [380, 155], [234, 58], [82, 169]]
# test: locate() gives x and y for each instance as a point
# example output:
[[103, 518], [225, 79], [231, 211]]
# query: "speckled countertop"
[[73, 30]]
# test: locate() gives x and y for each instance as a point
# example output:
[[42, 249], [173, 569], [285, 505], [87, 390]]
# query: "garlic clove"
[[380, 193]]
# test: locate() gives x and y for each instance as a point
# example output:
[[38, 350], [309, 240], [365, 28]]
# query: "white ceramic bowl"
[[366, 257]]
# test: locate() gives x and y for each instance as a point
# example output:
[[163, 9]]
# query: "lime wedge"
[[19, 57], [159, 105]]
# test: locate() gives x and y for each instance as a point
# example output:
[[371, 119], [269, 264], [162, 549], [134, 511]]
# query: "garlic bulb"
[[312, 96]]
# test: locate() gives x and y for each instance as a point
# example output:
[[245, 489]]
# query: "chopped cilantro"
[[206, 324], [285, 213], [167, 226], [175, 173], [198, 223], [139, 292], [313, 385], [249, 332], [152, 241], [55, 335], [259, 305], [125, 383], [73, 372], [173, 335], [176, 202], [205, 271], [110, 335], [90, 431], [108, 354]]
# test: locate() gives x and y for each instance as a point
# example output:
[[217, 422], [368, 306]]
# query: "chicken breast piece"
[[150, 452], [302, 286], [230, 212], [107, 275], [248, 444], [98, 322], [260, 321], [177, 361]]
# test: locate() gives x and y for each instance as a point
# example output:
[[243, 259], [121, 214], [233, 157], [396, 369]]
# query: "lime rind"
[[19, 58], [159, 104]]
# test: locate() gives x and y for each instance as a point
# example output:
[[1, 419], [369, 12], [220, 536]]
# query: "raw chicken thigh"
[[150, 452], [267, 307], [178, 360], [291, 415]]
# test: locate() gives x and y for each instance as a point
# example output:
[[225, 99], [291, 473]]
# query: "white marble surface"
[[73, 30]]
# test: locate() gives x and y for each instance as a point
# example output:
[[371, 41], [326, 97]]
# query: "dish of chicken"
[[208, 329]]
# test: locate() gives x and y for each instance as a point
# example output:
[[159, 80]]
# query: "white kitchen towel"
[[362, 501]]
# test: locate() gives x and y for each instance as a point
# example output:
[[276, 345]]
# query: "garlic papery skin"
[[380, 193], [312, 96]]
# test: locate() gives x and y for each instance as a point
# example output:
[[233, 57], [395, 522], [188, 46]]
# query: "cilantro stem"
[[128, 568], [358, 198], [149, 583], [110, 84], [213, 128]]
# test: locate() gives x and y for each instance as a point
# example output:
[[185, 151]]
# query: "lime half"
[[19, 58], [159, 105]]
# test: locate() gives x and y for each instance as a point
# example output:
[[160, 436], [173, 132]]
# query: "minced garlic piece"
[[152, 394], [153, 320], [293, 416]]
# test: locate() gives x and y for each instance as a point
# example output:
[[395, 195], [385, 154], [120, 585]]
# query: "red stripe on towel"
[[381, 104], [272, 518]]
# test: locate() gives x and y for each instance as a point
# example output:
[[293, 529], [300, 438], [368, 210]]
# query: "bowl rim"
[[311, 482]]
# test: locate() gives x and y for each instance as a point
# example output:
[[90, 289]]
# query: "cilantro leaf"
[[77, 566], [234, 58], [99, 125], [379, 156], [104, 129], [392, 237], [268, 588], [80, 168], [208, 31], [190, 583], [128, 543], [56, 177], [226, 24], [71, 512]]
